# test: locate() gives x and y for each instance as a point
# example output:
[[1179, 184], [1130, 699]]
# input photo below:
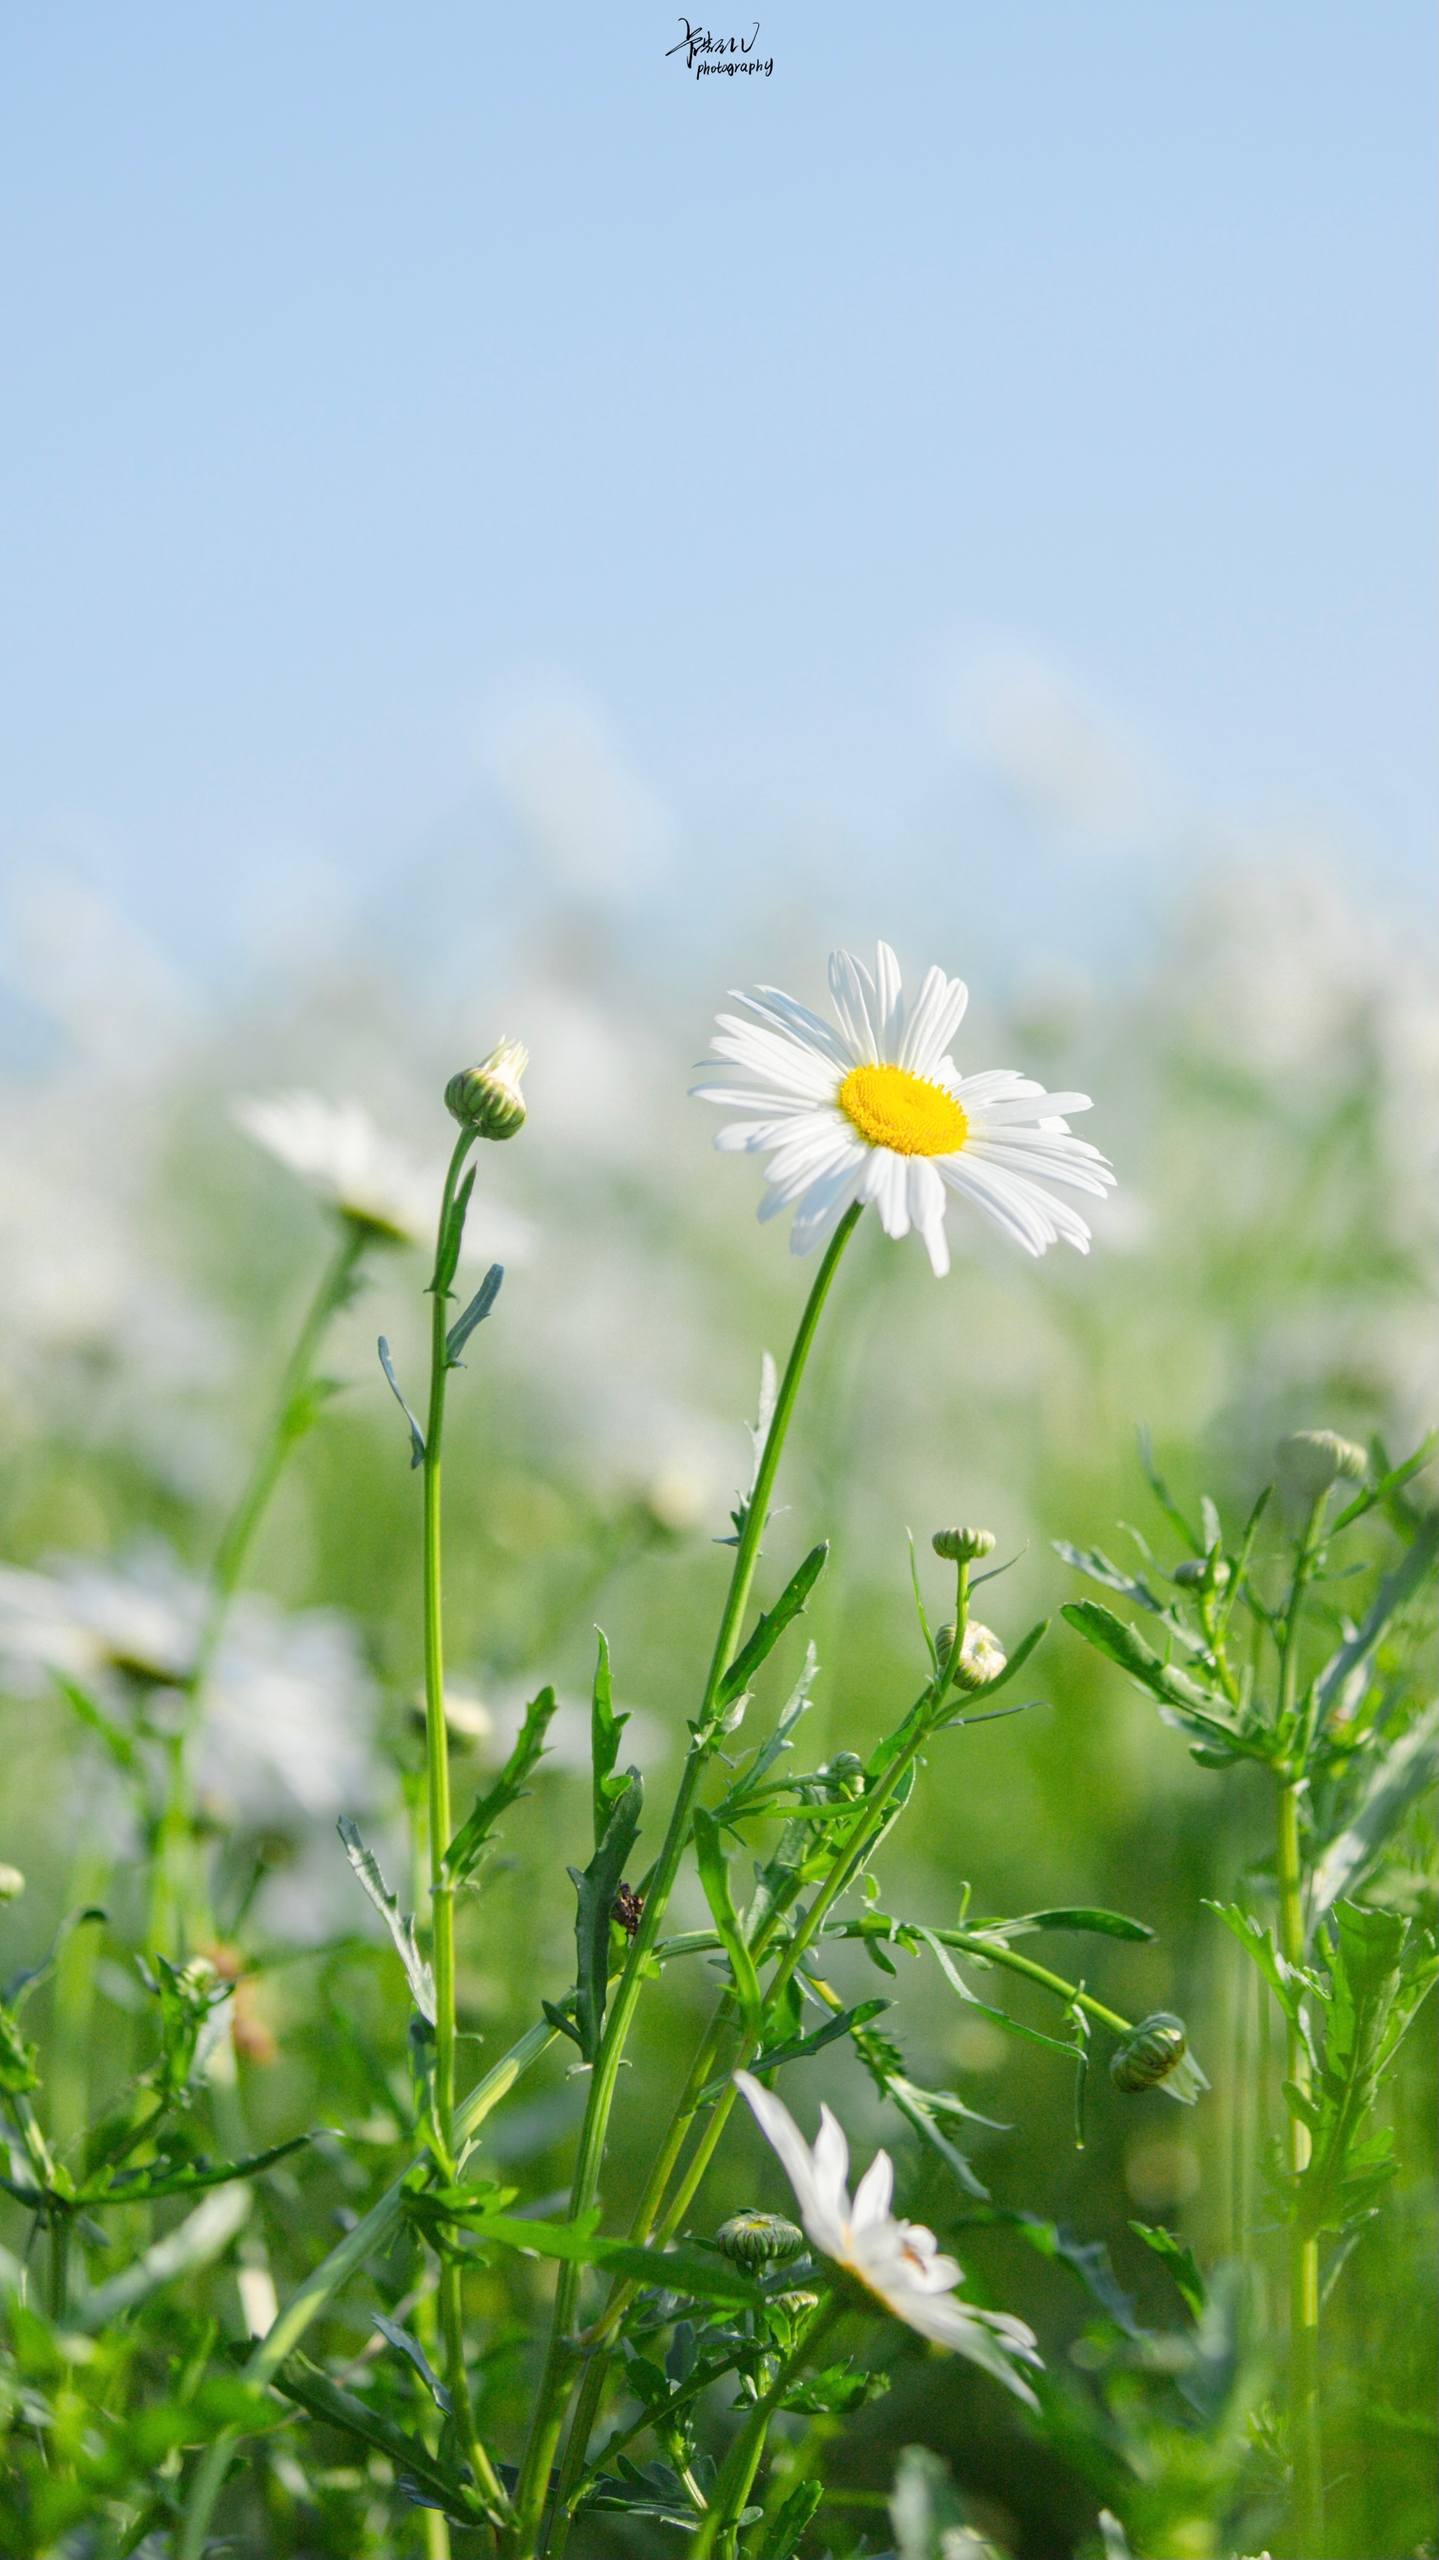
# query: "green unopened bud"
[[759, 2239], [12, 1884], [981, 1656], [1201, 1573], [1156, 2055], [962, 1546], [487, 1098], [845, 1773], [1311, 1461]]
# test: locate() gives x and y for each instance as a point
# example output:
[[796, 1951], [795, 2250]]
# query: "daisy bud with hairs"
[[487, 1098]]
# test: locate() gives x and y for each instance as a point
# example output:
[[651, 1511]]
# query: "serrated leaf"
[[800, 2048], [467, 1847], [142, 2186], [401, 1924], [311, 2388], [417, 1437], [1180, 2262], [1396, 1779], [1352, 1657], [1099, 1568], [771, 1627], [1195, 1708], [595, 1891], [475, 1314]]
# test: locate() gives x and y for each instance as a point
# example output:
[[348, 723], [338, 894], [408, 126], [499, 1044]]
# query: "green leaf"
[[1350, 1660], [401, 2340], [1097, 1565], [401, 1924], [195, 2242], [676, 2270], [475, 1314], [714, 1876], [119, 1744], [771, 1627], [141, 2186], [1180, 2262], [1373, 1999], [1289, 1983], [1164, 1498], [1387, 1485], [1097, 1923], [1395, 1781], [595, 1892], [605, 1730], [799, 2048], [417, 1437], [467, 1847], [766, 1753], [1182, 1699], [791, 2521], [312, 2389]]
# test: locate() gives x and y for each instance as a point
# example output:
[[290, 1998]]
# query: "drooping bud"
[[845, 1773], [487, 1098], [12, 1884], [1201, 1573], [1156, 2055], [962, 1546], [981, 1656], [759, 2239], [1311, 1461]]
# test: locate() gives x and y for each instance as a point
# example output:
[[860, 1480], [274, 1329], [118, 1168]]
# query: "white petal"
[[831, 2166], [783, 2134], [873, 2194], [857, 1004], [933, 1023], [784, 1014], [891, 1003], [821, 1210], [884, 1180]]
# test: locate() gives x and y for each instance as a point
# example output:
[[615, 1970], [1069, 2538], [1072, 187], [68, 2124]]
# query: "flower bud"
[[981, 1656], [1201, 1573], [12, 1884], [487, 1098], [1310, 1462], [962, 1546], [845, 1773], [759, 2239], [1155, 2055]]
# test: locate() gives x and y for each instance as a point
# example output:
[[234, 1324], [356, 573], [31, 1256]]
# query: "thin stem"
[[287, 1423], [371, 2234], [737, 2471], [1305, 2444], [441, 1826], [545, 2429]]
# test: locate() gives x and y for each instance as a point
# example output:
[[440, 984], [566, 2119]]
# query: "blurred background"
[[504, 536]]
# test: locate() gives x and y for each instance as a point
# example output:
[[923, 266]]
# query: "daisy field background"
[[509, 541]]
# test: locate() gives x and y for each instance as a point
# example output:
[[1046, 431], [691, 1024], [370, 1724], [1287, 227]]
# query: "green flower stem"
[[1306, 2452], [715, 2539], [544, 2435], [441, 1826], [170, 1894], [371, 2234], [702, 2069], [1305, 2442]]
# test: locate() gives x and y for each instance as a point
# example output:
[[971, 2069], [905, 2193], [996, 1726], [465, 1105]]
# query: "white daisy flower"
[[340, 1155], [877, 1110], [900, 2263]]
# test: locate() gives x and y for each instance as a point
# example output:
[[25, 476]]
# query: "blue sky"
[[993, 452]]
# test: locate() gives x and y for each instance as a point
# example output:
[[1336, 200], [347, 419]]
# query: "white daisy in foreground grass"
[[876, 1110], [900, 2263], [338, 1153]]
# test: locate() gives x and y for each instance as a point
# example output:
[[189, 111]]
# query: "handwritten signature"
[[705, 52]]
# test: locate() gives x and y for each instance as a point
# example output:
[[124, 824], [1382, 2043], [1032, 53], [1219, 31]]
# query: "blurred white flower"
[[876, 1110], [287, 1730], [900, 2263], [339, 1154]]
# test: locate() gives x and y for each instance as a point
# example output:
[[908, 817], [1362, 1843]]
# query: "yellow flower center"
[[891, 1108]]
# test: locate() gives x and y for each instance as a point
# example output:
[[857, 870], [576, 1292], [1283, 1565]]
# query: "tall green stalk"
[[533, 2487], [1306, 2450], [441, 1827], [172, 1905]]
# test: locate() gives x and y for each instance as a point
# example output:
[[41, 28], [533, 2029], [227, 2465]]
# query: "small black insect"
[[628, 1909]]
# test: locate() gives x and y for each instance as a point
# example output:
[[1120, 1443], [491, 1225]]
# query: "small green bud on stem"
[[1311, 1461], [981, 1656], [962, 1546], [1155, 2055], [759, 2239], [487, 1098]]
